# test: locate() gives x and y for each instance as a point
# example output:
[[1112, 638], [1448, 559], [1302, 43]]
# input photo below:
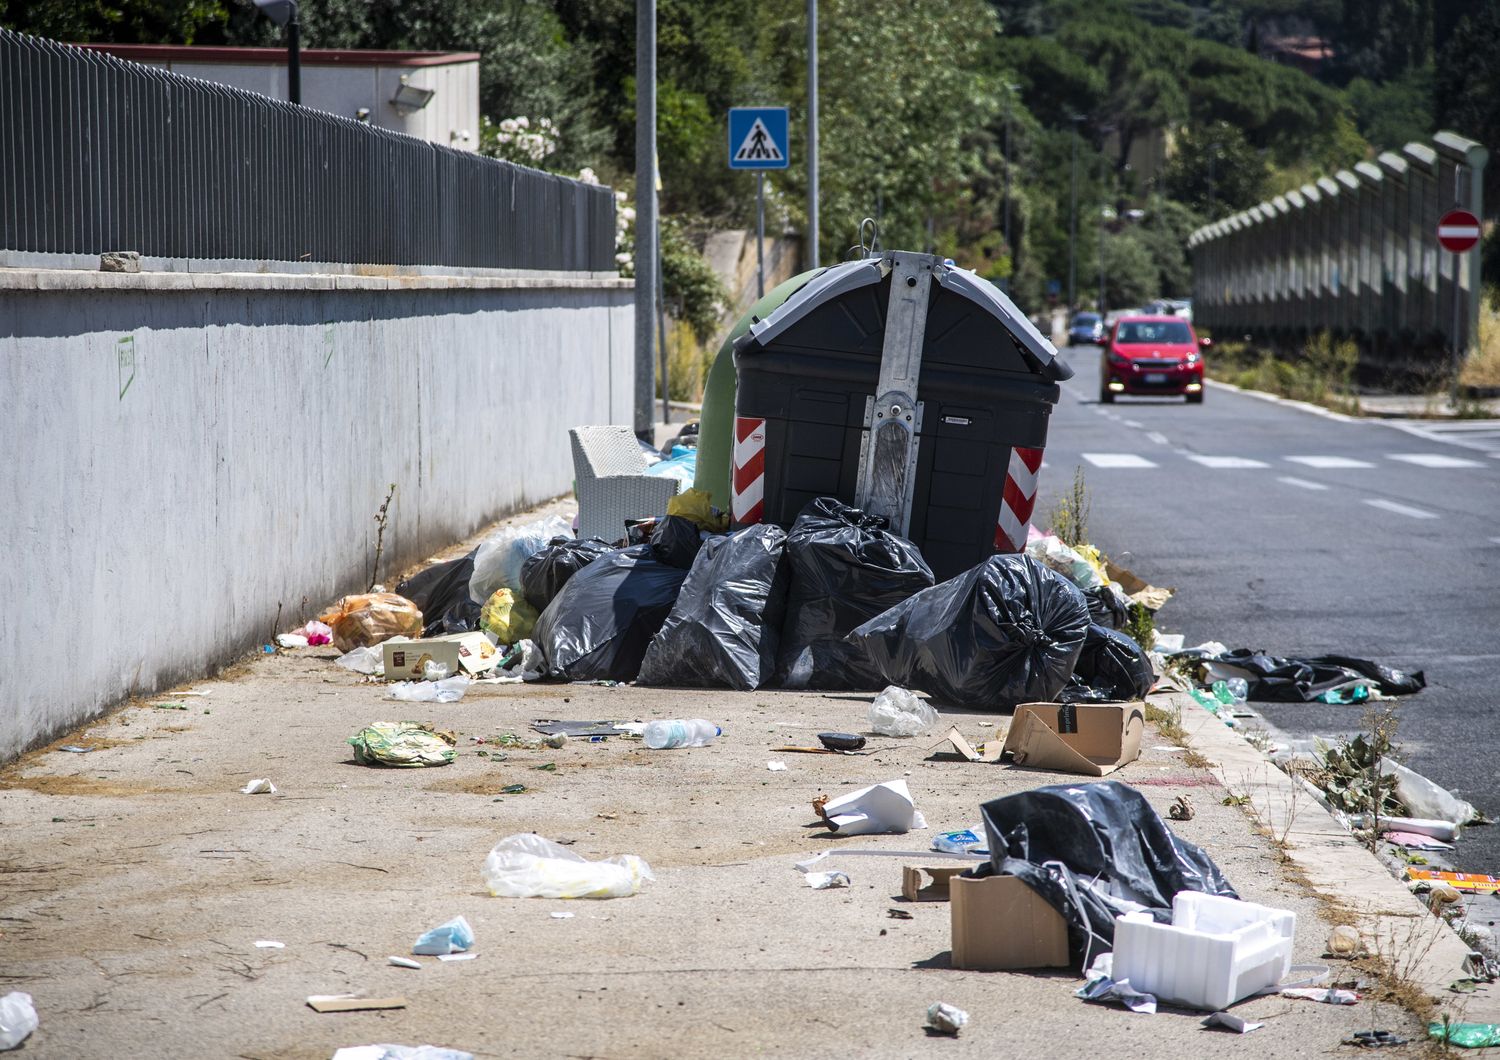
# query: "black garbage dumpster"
[[906, 386]]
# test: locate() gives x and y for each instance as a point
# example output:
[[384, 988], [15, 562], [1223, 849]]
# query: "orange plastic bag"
[[369, 618]]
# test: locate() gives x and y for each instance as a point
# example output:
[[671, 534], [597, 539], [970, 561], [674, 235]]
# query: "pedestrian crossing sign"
[[758, 138]]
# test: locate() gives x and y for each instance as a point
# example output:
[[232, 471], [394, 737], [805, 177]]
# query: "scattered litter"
[[508, 617], [17, 1019], [945, 1018], [350, 1003], [577, 729], [513, 789], [259, 786], [434, 658], [561, 916], [989, 751], [1325, 994], [939, 887], [73, 748], [291, 640], [1110, 667], [1466, 882], [898, 914], [400, 1052], [317, 633], [169, 706], [404, 962], [1167, 643], [1091, 739], [528, 866], [886, 807], [449, 690], [457, 956], [823, 881], [1102, 987], [1375, 1039], [1281, 680], [403, 744], [679, 732], [1231, 1022], [807, 864], [898, 712], [501, 558], [1181, 809], [841, 741], [962, 841], [1442, 831], [1424, 798], [269, 944], [366, 659], [1463, 1035], [1344, 941], [454, 936], [1413, 841], [776, 767], [366, 619], [557, 741]]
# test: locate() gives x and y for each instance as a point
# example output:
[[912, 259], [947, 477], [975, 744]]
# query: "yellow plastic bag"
[[507, 618], [693, 506], [369, 618]]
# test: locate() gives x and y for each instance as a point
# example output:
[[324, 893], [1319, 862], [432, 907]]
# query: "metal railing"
[[1355, 255], [100, 155]]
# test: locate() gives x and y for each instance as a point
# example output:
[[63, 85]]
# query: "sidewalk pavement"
[[1421, 406]]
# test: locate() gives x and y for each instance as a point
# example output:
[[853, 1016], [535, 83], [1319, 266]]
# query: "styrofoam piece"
[[1215, 952]]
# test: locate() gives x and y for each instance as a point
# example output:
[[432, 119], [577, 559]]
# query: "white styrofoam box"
[[1215, 952]]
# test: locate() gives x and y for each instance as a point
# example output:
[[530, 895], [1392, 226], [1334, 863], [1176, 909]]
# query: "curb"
[[1420, 948], [1303, 406]]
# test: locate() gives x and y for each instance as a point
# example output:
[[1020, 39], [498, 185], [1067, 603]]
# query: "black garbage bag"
[[1106, 607], [726, 625], [598, 627], [441, 593], [1278, 680], [1112, 666], [846, 568], [546, 572], [676, 541], [1007, 631], [1089, 849]]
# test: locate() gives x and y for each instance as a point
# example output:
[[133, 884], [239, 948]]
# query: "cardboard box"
[[470, 652], [999, 923], [936, 891], [1087, 738]]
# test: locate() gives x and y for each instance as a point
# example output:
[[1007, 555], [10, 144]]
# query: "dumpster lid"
[[1034, 346], [830, 283]]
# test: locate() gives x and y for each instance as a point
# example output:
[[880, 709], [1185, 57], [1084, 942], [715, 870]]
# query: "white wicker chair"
[[609, 470]]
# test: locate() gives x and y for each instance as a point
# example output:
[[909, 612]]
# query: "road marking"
[[1329, 462], [1132, 423], [1496, 540], [1226, 462], [1400, 509], [1434, 460], [1158, 437], [1301, 483], [1117, 460]]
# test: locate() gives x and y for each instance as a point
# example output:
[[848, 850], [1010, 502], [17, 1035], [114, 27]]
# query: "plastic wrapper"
[[507, 618], [498, 561], [445, 690], [441, 593], [454, 936], [725, 628], [1423, 798], [368, 660], [1111, 667], [898, 712], [406, 744], [369, 618], [547, 571], [676, 541], [528, 866], [599, 626], [1007, 631], [17, 1019], [1278, 680], [1050, 551], [846, 568], [693, 505], [1094, 852]]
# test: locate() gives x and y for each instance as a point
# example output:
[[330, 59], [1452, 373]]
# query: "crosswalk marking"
[[1434, 460], [1301, 483], [1117, 460], [1226, 462], [1329, 462], [1400, 509], [1157, 437]]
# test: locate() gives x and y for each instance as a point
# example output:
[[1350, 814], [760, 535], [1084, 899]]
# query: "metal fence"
[[1355, 255], [98, 155]]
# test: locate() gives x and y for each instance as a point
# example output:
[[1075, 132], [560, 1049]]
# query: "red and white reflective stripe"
[[1018, 500], [1459, 231], [748, 484]]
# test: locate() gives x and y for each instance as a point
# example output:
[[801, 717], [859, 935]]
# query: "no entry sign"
[[1458, 231]]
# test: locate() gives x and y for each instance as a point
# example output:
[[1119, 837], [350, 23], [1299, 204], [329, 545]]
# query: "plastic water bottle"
[[679, 733]]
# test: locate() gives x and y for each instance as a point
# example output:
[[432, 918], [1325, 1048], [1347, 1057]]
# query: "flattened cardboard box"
[[471, 652], [1091, 739], [999, 923], [953, 742]]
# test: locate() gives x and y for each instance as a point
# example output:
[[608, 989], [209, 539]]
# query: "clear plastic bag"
[[369, 618], [448, 690], [498, 561], [898, 712], [366, 660], [17, 1019], [528, 866]]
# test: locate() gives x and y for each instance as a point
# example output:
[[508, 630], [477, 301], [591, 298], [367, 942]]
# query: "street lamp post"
[[1105, 214], [1010, 89], [284, 13], [812, 135], [1073, 226]]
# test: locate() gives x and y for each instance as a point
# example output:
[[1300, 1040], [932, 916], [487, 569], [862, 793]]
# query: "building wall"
[[187, 452], [450, 118]]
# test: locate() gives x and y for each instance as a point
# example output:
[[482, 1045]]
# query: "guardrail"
[[98, 154], [1356, 255]]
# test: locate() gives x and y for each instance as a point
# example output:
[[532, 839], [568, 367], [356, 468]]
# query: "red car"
[[1152, 355]]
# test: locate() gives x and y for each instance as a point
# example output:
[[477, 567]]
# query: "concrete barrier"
[[186, 452]]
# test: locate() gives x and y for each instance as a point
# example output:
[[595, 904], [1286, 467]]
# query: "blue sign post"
[[758, 140]]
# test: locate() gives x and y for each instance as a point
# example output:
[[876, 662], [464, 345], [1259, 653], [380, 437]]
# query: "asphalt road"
[[1301, 533]]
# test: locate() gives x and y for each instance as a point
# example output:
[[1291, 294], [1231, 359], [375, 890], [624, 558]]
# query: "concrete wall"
[[185, 451]]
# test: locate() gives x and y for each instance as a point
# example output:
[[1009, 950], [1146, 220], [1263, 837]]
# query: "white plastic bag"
[[898, 712], [447, 691], [498, 563], [1423, 798], [528, 866], [17, 1019], [367, 660]]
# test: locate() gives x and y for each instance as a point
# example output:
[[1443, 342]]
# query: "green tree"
[[1391, 114], [1468, 86], [115, 21], [1164, 233], [1130, 276], [1216, 172]]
